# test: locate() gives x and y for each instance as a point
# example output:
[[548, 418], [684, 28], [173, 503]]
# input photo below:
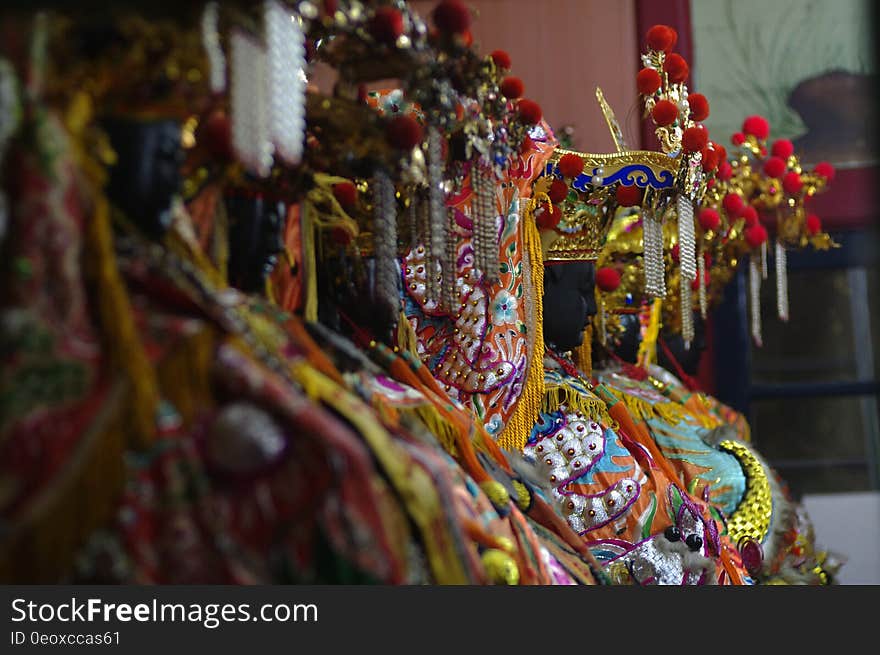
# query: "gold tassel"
[[116, 317], [407, 341], [575, 401], [525, 415], [583, 354]]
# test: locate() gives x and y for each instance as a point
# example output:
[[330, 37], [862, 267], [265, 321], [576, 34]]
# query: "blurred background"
[[810, 391]]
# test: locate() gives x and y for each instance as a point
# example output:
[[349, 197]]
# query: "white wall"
[[849, 524]]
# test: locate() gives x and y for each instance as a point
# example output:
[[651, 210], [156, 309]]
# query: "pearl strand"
[[755, 299], [701, 276], [781, 281], [652, 231], [385, 243], [285, 45], [250, 115], [687, 265], [437, 221], [764, 272], [213, 50]]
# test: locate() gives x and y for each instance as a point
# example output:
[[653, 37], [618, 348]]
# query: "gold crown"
[[589, 208], [128, 62]]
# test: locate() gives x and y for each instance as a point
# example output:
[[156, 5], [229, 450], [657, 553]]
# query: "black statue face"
[[569, 302], [626, 343], [255, 240], [146, 176]]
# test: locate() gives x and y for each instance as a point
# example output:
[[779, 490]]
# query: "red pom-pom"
[[721, 150], [512, 87], [571, 165], [733, 204], [699, 106], [792, 183], [346, 194], [756, 235], [386, 25], [661, 38], [501, 59], [607, 279], [750, 215], [774, 167], [782, 148], [546, 220], [664, 113], [814, 224], [725, 171], [757, 126], [647, 81], [824, 169], [709, 219], [452, 17], [529, 111], [404, 132], [628, 196], [695, 138], [737, 138], [710, 159], [558, 191], [676, 68]]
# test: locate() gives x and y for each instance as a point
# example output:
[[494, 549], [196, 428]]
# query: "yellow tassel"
[[407, 341], [648, 348], [116, 316], [576, 401], [310, 269], [184, 375], [525, 415], [583, 354]]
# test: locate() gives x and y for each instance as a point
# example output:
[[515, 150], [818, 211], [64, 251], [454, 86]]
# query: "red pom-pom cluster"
[[750, 215], [676, 68], [725, 171], [452, 17], [512, 87], [774, 167], [647, 81], [628, 196], [547, 220], [709, 219], [386, 25], [529, 111], [607, 279], [571, 165], [695, 139], [733, 204], [664, 113], [756, 235], [737, 138], [792, 183], [346, 194], [661, 38], [501, 59], [404, 132], [824, 169], [782, 148], [757, 126], [558, 191], [814, 224], [699, 106], [710, 159], [721, 150]]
